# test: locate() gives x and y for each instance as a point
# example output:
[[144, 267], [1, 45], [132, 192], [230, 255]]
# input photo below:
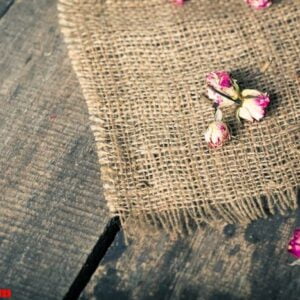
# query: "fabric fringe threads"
[[142, 64]]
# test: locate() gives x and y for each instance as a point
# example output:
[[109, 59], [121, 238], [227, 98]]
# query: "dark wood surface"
[[51, 206], [227, 263], [52, 209]]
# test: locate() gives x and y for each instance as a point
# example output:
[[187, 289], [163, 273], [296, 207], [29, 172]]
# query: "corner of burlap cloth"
[[141, 65]]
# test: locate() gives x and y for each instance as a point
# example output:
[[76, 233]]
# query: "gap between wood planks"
[[104, 242], [5, 5]]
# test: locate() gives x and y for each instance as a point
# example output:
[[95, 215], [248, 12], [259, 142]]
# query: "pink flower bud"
[[294, 244], [217, 134], [253, 106], [259, 4], [221, 81]]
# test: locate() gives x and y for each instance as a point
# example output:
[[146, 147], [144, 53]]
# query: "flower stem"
[[237, 101]]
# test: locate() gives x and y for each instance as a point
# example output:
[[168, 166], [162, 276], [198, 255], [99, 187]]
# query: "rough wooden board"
[[51, 205], [230, 263]]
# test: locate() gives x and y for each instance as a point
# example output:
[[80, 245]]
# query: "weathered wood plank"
[[230, 263], [51, 205]]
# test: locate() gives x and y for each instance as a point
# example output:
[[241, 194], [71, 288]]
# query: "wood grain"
[[51, 205], [226, 263]]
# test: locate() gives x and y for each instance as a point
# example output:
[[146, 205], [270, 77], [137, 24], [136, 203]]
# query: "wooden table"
[[51, 206]]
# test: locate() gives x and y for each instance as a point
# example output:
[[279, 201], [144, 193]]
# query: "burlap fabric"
[[142, 67]]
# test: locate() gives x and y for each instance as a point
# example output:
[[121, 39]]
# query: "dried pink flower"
[[220, 87], [294, 244], [217, 134], [253, 106], [259, 4]]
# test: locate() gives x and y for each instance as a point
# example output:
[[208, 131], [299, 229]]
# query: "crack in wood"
[[104, 242], [5, 5]]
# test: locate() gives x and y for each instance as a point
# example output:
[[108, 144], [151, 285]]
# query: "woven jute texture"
[[142, 67]]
